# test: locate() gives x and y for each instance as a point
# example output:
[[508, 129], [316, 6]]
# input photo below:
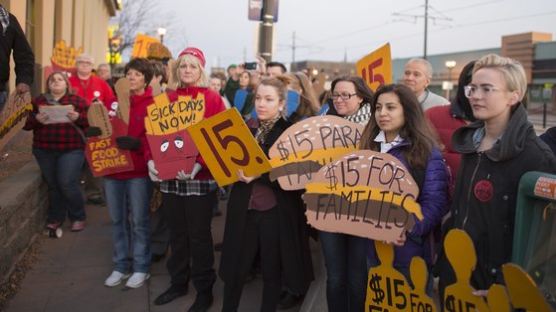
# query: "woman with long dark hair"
[[400, 129]]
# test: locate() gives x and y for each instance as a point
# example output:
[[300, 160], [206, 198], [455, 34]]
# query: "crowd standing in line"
[[479, 135]]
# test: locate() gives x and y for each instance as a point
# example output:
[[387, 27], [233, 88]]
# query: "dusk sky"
[[328, 29]]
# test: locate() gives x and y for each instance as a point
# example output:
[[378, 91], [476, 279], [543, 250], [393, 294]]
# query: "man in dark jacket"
[[13, 38]]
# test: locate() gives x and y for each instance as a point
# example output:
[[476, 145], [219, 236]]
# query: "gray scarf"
[[4, 19]]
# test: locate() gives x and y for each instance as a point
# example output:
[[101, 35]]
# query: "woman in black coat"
[[261, 216]]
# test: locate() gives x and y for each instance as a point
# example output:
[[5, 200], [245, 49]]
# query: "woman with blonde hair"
[[187, 201], [308, 102], [497, 150]]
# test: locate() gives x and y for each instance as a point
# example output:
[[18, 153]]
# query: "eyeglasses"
[[343, 96], [485, 91]]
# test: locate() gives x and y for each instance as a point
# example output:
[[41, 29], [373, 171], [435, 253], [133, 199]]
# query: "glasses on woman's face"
[[343, 96], [483, 91]]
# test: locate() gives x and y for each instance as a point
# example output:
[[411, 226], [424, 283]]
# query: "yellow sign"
[[523, 291], [227, 145], [164, 117], [141, 45], [387, 289], [376, 67], [64, 56], [13, 116]]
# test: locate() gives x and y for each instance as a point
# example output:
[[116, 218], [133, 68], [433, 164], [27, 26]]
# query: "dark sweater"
[[15, 40]]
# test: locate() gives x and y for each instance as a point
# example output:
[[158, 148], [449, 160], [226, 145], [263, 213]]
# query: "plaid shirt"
[[63, 136], [189, 187]]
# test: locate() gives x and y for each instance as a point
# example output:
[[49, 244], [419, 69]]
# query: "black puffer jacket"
[[485, 196], [15, 40]]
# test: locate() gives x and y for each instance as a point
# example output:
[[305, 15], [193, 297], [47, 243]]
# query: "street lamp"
[[450, 65], [161, 32]]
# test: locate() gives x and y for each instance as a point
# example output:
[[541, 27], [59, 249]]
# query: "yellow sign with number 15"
[[376, 67], [227, 145]]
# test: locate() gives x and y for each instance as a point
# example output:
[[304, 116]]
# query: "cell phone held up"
[[251, 65]]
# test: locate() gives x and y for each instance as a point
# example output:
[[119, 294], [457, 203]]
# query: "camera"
[[251, 65]]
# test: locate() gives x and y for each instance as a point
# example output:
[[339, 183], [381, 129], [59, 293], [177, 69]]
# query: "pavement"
[[70, 271]]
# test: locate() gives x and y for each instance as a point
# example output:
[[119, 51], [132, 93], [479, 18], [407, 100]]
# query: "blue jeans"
[[61, 171], [345, 258], [128, 205]]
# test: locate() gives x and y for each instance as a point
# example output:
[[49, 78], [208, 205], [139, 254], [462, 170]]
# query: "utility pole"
[[426, 28], [265, 30], [426, 17], [293, 47]]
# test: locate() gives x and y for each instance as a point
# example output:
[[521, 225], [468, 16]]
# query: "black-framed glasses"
[[343, 96]]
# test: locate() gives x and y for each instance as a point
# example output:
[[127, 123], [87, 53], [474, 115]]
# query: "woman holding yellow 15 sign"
[[187, 201], [261, 216]]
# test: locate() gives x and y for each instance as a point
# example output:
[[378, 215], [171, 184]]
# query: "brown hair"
[[159, 70], [308, 103], [143, 66], [416, 129], [69, 89]]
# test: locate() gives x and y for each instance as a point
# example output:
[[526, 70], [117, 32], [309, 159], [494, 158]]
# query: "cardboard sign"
[[103, 155], [365, 193], [122, 92], [63, 57], [97, 115], [522, 289], [376, 67], [13, 116], [227, 145], [308, 145], [171, 146], [56, 113], [387, 289], [141, 45]]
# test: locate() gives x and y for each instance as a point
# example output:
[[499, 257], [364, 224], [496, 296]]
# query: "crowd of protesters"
[[458, 152]]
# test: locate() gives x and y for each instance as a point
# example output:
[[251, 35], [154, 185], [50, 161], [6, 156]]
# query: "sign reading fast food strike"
[[308, 145], [364, 193]]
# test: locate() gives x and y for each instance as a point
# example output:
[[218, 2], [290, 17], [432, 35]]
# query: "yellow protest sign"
[[376, 67], [63, 56], [522, 289], [387, 289], [13, 116], [141, 45], [164, 117], [227, 145]]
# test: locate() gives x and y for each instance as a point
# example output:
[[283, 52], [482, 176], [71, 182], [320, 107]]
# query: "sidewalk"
[[69, 276]]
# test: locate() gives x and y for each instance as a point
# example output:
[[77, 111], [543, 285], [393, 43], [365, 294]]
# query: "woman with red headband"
[[187, 201]]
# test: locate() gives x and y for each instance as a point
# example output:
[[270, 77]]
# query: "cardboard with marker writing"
[[171, 146], [122, 92], [227, 145], [102, 153], [376, 67], [524, 293], [308, 145], [13, 116], [364, 193]]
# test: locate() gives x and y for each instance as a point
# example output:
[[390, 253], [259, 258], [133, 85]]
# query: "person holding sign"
[[400, 128], [261, 216], [58, 148], [344, 255], [130, 191], [497, 150], [187, 201]]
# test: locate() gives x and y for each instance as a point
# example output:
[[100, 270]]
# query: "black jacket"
[[15, 40], [549, 137], [297, 270], [484, 201]]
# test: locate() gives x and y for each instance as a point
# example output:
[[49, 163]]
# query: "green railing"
[[534, 245]]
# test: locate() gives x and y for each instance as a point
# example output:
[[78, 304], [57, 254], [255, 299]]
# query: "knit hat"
[[196, 53]]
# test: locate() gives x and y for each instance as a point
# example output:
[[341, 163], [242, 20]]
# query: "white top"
[[385, 146]]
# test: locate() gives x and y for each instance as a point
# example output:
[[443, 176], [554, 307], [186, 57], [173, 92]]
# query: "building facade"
[[80, 23]]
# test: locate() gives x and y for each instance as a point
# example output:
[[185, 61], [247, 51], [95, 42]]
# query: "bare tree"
[[136, 16]]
